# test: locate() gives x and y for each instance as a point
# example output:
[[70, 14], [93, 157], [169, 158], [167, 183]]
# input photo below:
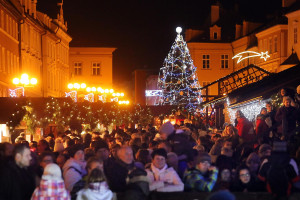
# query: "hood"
[[52, 188], [94, 195]]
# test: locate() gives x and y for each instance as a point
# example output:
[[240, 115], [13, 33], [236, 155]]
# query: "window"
[[224, 61], [275, 44], [270, 46], [96, 69], [295, 35], [77, 68], [205, 60], [215, 35]]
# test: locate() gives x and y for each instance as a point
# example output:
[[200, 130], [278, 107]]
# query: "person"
[[279, 171], [163, 178], [203, 177], [96, 187], [101, 150], [92, 163], [52, 185], [6, 152], [264, 151], [224, 180], [122, 175], [253, 163], [74, 168], [262, 129], [286, 117], [42, 146], [245, 128], [17, 181], [243, 182], [45, 158]]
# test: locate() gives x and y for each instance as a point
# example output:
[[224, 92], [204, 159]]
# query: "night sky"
[[141, 30]]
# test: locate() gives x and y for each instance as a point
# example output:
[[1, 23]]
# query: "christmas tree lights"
[[178, 79]]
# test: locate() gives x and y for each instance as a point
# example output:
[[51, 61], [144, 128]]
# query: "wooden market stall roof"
[[266, 85]]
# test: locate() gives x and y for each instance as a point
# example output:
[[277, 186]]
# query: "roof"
[[291, 60], [267, 86]]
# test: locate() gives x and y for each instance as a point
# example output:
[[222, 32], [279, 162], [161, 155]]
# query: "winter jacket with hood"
[[95, 191], [51, 190]]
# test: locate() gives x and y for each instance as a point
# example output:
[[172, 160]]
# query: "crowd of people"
[[260, 156]]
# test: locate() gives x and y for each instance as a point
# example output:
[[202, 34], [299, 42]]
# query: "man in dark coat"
[[286, 118], [123, 176], [17, 181]]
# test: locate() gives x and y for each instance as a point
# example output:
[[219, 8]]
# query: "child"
[[96, 187]]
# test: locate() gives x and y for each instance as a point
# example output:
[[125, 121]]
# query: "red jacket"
[[261, 127], [245, 129]]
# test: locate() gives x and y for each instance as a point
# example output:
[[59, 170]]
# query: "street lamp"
[[21, 83]]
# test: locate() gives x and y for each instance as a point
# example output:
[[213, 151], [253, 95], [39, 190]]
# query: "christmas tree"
[[178, 79]]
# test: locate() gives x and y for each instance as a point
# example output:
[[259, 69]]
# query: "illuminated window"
[[224, 61], [205, 61], [295, 35], [275, 43], [77, 68], [96, 69]]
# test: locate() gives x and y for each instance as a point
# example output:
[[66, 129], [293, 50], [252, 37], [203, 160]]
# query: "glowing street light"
[[21, 83], [24, 81]]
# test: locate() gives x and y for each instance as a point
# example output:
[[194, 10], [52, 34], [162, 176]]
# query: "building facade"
[[92, 66], [226, 35], [35, 44]]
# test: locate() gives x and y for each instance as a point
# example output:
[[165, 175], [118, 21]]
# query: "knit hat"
[[263, 148], [74, 148], [279, 147], [221, 195], [160, 152], [167, 128], [101, 144], [202, 156], [52, 172]]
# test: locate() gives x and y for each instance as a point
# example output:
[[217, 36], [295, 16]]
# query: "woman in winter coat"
[[244, 127], [74, 168], [52, 185], [163, 178], [262, 129], [96, 187]]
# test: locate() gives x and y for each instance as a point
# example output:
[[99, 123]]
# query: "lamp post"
[[21, 83]]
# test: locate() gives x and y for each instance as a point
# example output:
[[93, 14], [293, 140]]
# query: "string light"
[[177, 78], [250, 109]]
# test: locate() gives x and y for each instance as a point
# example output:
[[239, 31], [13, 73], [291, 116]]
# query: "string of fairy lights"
[[178, 79], [65, 113]]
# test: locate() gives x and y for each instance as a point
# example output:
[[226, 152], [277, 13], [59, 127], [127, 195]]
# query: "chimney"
[[245, 27], [214, 14], [287, 3], [238, 30]]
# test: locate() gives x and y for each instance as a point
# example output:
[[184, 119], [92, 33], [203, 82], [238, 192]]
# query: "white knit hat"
[[52, 172]]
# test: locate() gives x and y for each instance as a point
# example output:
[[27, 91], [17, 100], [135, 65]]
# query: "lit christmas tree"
[[178, 79]]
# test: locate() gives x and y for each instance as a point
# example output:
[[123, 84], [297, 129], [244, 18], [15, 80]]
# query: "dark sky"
[[141, 30]]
